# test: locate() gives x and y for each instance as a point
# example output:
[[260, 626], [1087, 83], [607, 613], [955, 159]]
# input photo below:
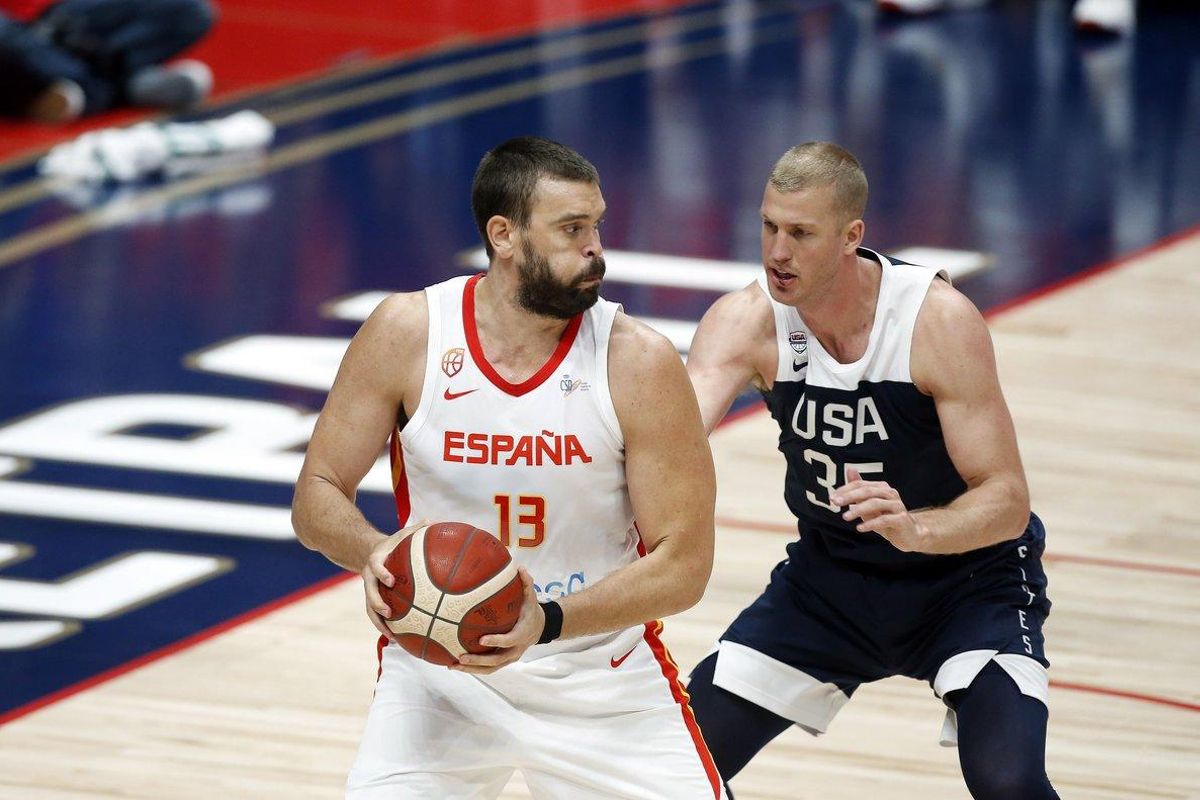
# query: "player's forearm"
[[995, 511], [658, 585], [327, 521]]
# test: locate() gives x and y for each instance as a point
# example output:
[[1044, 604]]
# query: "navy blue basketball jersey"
[[867, 415]]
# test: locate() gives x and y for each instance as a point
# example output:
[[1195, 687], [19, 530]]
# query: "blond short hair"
[[817, 164]]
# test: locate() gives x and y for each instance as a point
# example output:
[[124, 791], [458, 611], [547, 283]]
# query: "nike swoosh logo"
[[616, 662], [449, 395], [797, 367]]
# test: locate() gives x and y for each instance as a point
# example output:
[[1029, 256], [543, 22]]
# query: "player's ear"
[[500, 232], [853, 237]]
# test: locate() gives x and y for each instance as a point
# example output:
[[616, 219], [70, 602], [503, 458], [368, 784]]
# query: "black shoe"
[[178, 85]]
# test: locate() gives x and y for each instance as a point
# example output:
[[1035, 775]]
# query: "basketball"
[[454, 584]]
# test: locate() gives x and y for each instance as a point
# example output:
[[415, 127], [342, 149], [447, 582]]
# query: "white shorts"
[[793, 694], [586, 724]]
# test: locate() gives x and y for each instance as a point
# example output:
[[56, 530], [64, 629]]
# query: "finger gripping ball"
[[454, 583]]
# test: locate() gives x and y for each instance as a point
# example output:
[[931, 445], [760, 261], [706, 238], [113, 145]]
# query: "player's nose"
[[777, 250], [593, 247]]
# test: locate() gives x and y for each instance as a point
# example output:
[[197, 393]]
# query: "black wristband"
[[553, 626]]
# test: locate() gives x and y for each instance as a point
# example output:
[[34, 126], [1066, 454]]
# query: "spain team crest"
[[452, 361]]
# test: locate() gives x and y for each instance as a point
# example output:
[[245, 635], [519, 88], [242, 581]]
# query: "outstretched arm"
[[734, 347]]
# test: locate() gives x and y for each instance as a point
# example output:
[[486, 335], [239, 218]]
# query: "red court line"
[[1091, 272], [171, 649], [1141, 566], [1145, 698], [1112, 563]]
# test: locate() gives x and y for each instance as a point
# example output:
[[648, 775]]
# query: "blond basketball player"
[[521, 403], [918, 554]]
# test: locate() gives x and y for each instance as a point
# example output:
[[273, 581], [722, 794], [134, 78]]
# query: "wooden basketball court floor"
[[1103, 377]]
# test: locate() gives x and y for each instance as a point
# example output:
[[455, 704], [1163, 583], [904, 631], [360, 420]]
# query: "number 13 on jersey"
[[531, 513], [826, 472]]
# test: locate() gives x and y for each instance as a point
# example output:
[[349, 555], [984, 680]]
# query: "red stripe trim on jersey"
[[399, 479], [670, 671], [403, 510], [538, 378]]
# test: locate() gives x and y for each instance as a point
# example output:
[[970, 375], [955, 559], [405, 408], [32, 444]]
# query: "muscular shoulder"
[[402, 312], [399, 323], [747, 311], [737, 334], [636, 349], [388, 353], [950, 339], [645, 373]]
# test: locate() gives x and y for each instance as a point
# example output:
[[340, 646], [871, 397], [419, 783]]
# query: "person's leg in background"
[[125, 42], [41, 80]]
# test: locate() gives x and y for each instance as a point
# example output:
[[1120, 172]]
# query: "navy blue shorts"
[[822, 626]]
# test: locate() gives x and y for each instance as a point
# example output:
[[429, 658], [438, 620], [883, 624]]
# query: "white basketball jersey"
[[538, 464]]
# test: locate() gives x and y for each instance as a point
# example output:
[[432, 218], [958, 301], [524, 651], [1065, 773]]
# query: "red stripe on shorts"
[[382, 643], [670, 671]]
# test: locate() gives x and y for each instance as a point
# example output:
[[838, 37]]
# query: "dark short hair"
[[508, 174]]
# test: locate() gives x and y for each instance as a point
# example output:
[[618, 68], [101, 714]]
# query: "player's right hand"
[[375, 573]]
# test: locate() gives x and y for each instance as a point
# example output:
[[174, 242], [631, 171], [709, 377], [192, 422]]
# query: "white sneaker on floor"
[[1115, 17]]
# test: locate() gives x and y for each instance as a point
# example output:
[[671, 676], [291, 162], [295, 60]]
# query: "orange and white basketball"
[[454, 583]]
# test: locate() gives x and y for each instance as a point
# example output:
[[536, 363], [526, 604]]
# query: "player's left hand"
[[512, 645], [880, 510]]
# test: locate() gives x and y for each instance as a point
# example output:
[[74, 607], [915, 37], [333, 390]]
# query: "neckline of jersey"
[[495, 378], [832, 363]]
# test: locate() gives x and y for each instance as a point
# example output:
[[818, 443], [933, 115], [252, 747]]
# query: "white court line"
[[677, 272], [958, 263], [358, 307], [648, 269], [627, 266], [145, 510]]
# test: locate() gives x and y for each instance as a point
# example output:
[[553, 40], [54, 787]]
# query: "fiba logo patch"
[[452, 361], [799, 342]]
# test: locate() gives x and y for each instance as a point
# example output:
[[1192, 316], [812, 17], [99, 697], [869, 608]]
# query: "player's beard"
[[539, 292]]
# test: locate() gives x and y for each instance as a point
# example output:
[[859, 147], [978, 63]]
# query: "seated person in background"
[[62, 59]]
